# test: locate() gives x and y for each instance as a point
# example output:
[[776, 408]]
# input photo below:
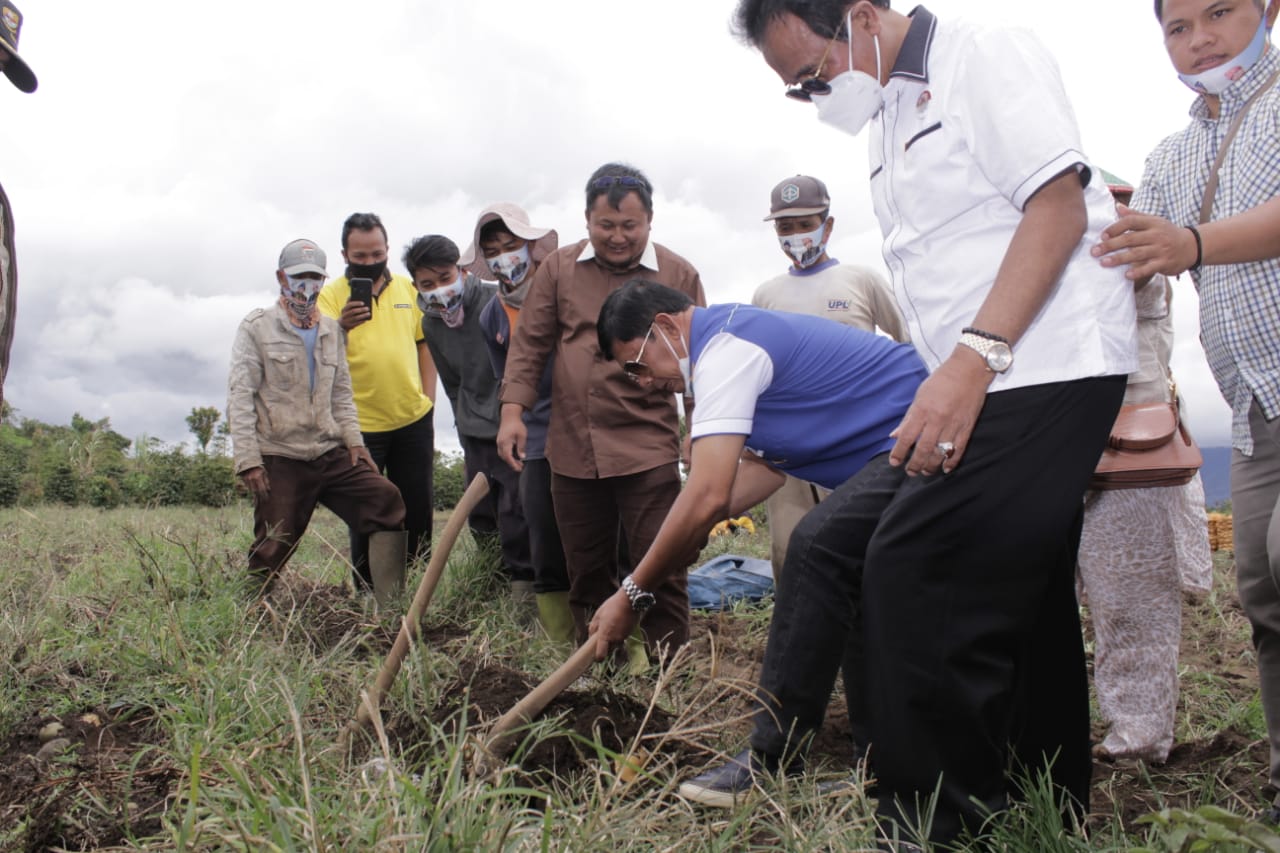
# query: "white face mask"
[[1216, 80], [686, 370], [512, 267], [855, 96], [805, 248]]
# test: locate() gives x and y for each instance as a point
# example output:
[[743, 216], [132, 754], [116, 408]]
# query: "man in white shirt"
[[988, 209]]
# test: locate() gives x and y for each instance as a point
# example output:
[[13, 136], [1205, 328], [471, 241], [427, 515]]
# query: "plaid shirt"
[[1239, 303]]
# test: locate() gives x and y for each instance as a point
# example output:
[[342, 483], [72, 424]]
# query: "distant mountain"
[[1216, 474]]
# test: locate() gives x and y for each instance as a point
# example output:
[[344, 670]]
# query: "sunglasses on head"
[[813, 85], [636, 368], [619, 180]]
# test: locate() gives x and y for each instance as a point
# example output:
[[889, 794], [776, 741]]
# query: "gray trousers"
[[1255, 510]]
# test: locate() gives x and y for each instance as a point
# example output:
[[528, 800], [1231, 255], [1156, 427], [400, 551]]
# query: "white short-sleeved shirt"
[[975, 121]]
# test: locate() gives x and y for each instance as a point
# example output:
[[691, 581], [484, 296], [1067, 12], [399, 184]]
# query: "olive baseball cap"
[[798, 196]]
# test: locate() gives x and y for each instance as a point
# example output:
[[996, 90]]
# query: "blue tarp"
[[717, 584]]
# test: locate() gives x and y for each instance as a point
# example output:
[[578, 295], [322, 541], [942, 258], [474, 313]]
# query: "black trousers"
[[817, 617], [974, 660], [549, 571], [407, 457], [499, 516]]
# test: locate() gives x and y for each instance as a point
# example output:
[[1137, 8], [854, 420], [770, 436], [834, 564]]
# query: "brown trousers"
[[588, 512], [364, 499]]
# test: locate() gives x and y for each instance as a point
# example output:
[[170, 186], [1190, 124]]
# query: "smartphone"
[[362, 291]]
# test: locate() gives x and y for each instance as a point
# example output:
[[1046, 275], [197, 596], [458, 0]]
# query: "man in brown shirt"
[[613, 445]]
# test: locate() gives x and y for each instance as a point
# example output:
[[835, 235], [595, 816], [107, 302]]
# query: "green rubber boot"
[[557, 618], [637, 656]]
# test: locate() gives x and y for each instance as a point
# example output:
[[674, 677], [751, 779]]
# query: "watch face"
[[999, 357]]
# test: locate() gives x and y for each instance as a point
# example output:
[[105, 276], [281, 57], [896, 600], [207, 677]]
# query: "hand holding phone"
[[359, 307], [362, 291]]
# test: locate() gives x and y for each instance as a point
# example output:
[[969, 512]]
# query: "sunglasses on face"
[[636, 368], [813, 85]]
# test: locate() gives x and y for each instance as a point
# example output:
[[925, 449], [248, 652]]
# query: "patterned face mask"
[[511, 267], [298, 297], [805, 248]]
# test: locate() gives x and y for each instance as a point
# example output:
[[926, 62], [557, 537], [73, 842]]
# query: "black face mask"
[[372, 272]]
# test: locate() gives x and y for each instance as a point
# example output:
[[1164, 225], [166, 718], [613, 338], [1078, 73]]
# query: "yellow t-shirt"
[[383, 354]]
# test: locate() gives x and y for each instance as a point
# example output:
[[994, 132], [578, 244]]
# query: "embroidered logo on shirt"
[[923, 100], [837, 304], [403, 305]]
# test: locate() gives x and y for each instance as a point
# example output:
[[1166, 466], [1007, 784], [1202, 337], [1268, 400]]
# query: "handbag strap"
[[1211, 188]]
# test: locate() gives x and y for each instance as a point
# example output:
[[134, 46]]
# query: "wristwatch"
[[996, 353], [640, 600]]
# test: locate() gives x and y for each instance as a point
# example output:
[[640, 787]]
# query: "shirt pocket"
[[281, 368], [920, 135]]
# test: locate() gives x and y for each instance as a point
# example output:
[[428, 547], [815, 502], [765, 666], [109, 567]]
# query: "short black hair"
[[491, 229], [433, 250], [361, 222], [1262, 4], [616, 180], [824, 17], [628, 312]]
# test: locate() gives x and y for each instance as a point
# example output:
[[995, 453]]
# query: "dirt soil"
[[109, 752], [105, 751]]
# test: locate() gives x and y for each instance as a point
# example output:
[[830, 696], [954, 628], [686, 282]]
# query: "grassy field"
[[146, 705]]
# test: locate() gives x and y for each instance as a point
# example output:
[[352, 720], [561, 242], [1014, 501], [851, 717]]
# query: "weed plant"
[[140, 615]]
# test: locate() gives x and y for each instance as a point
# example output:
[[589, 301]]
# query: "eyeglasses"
[[636, 368], [620, 180], [813, 85]]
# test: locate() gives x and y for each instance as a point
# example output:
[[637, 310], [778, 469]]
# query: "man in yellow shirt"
[[392, 377]]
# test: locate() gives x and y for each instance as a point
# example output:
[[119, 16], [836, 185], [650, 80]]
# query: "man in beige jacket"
[[296, 436]]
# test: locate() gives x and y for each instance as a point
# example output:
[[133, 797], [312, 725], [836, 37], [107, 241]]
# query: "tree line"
[[87, 463]]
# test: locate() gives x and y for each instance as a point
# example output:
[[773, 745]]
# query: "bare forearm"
[[1052, 225], [427, 369], [1250, 236], [755, 482], [683, 532]]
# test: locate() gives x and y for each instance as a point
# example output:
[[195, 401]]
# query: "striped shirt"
[[1239, 303]]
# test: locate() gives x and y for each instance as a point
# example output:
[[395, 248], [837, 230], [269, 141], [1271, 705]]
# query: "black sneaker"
[[726, 786], [1272, 817]]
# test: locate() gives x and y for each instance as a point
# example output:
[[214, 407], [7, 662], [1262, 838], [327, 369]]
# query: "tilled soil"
[[107, 752], [107, 777]]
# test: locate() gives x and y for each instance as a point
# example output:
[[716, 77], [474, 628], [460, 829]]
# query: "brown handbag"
[[1148, 447]]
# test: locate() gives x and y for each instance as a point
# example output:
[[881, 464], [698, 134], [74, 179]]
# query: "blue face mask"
[[1216, 80]]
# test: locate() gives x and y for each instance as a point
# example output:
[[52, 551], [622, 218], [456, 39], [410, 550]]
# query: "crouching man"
[[295, 433], [776, 393]]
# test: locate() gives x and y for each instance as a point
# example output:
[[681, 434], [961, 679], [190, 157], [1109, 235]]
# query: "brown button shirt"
[[602, 424]]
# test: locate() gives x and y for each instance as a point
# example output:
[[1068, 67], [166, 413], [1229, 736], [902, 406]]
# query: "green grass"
[[140, 614]]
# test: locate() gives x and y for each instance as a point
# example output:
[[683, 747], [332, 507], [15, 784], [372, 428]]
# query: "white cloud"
[[170, 152]]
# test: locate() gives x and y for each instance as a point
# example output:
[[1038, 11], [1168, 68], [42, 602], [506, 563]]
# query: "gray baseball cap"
[[798, 196], [302, 256]]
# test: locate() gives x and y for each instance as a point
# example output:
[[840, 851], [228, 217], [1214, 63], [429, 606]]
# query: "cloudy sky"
[[172, 149]]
